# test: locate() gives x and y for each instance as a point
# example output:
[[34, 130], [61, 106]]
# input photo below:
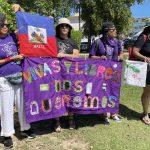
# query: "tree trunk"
[[89, 42]]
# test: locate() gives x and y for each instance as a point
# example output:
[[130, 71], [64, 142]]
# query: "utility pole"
[[79, 10], [79, 16]]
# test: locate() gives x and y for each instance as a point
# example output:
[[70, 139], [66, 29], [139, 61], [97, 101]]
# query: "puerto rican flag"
[[36, 35]]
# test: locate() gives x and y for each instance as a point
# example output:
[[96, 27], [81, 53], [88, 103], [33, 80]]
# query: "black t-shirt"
[[144, 46], [66, 45]]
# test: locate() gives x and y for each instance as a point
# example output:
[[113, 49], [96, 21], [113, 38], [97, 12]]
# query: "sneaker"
[[145, 119], [106, 121], [8, 142], [117, 119], [57, 126], [28, 134]]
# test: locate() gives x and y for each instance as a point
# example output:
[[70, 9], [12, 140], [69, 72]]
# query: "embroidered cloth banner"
[[54, 86], [36, 35]]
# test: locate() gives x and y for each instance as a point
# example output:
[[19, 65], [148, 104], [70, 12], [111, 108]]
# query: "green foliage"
[[93, 12], [77, 36], [100, 11], [6, 9], [62, 8], [54, 8]]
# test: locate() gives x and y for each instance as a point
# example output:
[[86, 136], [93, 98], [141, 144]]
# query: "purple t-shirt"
[[112, 50], [8, 48]]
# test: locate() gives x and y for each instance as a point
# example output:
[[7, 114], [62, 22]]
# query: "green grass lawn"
[[130, 134]]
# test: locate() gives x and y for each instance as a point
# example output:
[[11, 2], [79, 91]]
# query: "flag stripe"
[[25, 19], [36, 49], [36, 35]]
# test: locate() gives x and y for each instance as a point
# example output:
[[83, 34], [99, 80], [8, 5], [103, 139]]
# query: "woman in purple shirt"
[[9, 65], [107, 47]]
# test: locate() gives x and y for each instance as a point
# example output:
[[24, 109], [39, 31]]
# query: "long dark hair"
[[105, 28], [58, 32], [146, 30], [2, 18]]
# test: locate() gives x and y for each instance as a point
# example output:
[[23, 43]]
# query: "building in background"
[[74, 20], [139, 24]]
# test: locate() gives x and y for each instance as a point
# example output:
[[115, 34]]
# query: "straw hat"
[[64, 21]]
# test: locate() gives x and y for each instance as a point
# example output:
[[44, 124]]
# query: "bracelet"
[[7, 59]]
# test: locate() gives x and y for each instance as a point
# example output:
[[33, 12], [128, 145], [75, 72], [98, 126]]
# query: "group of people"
[[106, 47]]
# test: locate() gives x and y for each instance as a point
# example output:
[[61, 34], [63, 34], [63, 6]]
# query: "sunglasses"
[[64, 26], [112, 30], [4, 25]]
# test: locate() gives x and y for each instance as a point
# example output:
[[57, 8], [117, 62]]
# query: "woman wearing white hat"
[[67, 47]]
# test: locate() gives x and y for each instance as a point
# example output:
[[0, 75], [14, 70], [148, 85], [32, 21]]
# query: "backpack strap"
[[97, 42]]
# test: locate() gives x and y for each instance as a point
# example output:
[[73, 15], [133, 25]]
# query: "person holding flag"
[[10, 93]]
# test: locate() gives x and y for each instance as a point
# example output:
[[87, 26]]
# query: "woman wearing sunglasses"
[[66, 48], [108, 47], [9, 93]]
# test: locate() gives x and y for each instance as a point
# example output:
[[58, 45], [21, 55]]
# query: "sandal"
[[57, 126], [116, 118], [72, 124], [146, 120]]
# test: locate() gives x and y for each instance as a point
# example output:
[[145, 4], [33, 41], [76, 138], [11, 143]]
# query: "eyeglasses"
[[4, 25], [112, 30], [64, 26]]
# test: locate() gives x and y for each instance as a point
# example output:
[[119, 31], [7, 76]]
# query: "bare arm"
[[102, 57], [17, 7], [95, 56], [74, 55], [9, 59], [121, 55], [136, 53]]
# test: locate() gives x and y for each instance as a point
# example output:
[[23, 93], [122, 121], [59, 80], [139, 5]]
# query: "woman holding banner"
[[66, 48], [141, 51], [107, 47], [10, 93]]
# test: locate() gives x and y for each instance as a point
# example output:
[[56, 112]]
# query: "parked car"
[[128, 43], [84, 47]]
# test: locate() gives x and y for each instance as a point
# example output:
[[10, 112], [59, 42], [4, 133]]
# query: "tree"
[[6, 9], [54, 8], [77, 36], [95, 12]]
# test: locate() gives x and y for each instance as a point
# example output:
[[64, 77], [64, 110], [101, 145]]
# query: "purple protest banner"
[[53, 86], [93, 85], [41, 100]]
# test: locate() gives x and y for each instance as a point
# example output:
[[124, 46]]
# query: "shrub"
[[77, 36]]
